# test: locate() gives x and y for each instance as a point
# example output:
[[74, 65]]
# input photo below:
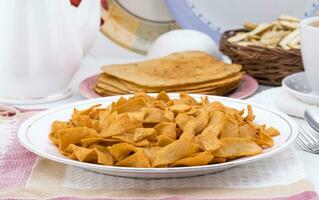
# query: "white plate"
[[33, 135], [297, 85]]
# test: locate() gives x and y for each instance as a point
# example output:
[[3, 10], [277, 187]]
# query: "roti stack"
[[189, 72]]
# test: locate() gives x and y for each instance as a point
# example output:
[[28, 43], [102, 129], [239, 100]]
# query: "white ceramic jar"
[[42, 44]]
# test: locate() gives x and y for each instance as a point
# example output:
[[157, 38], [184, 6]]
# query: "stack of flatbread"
[[189, 72]]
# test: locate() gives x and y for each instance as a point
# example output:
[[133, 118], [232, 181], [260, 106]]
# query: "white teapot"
[[42, 43]]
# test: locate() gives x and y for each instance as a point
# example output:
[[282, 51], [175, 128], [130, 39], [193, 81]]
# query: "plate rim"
[[24, 127], [82, 87]]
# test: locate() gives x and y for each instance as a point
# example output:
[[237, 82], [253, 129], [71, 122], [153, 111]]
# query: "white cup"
[[310, 51]]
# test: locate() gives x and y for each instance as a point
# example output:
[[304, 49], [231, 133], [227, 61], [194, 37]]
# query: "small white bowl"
[[297, 85], [183, 40]]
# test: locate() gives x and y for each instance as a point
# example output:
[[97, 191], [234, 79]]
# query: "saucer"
[[37, 100], [297, 85]]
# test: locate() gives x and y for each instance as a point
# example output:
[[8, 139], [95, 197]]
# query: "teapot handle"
[[88, 21]]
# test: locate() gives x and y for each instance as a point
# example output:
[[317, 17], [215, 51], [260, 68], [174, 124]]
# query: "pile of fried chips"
[[283, 33], [145, 131], [189, 72]]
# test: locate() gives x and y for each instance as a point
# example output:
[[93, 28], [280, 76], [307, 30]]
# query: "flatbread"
[[109, 87], [129, 87], [222, 91], [104, 93], [103, 78], [173, 70], [217, 91]]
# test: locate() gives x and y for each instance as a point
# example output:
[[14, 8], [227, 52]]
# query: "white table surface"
[[105, 52]]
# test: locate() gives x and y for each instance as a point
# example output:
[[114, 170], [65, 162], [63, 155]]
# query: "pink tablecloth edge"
[[17, 157], [306, 195]]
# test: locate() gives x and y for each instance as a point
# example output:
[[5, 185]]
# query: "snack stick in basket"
[[288, 18], [286, 40], [277, 26], [253, 37], [294, 46], [256, 42], [295, 43], [261, 28], [238, 37], [289, 25], [272, 38], [258, 30], [250, 26], [245, 43]]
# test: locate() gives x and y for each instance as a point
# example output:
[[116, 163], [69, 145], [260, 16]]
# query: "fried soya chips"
[[145, 131]]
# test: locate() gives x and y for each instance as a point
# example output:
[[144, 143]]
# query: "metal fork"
[[307, 140]]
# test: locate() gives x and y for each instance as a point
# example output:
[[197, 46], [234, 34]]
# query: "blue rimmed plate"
[[214, 16]]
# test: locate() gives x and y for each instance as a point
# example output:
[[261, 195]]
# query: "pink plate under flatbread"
[[248, 86]]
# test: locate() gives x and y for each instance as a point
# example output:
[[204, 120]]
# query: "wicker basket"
[[268, 65]]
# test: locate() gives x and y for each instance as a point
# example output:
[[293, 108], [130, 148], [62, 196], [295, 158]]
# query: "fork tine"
[[310, 135], [313, 144], [307, 141], [303, 138], [306, 148], [302, 144], [305, 135]]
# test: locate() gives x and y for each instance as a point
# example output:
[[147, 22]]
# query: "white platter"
[[33, 135]]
